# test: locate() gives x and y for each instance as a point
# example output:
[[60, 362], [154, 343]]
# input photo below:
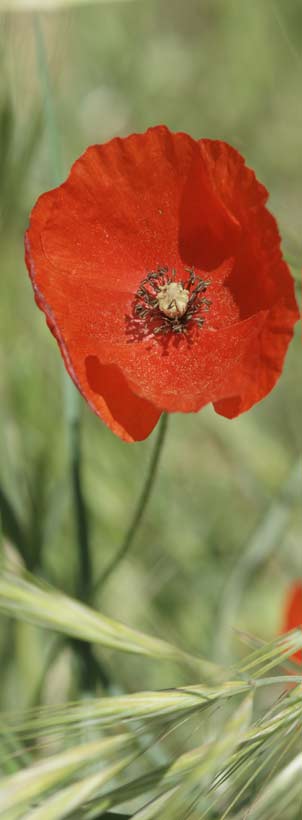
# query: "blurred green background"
[[221, 538]]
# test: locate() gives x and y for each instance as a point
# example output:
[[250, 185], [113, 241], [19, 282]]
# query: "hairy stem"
[[141, 505]]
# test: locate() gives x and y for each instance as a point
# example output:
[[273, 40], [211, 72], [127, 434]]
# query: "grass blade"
[[22, 787], [107, 711], [285, 787], [270, 655], [72, 797], [193, 788], [24, 598], [155, 807], [167, 778]]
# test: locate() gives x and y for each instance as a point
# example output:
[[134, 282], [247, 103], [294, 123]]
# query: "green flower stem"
[[80, 511], [140, 508], [92, 667]]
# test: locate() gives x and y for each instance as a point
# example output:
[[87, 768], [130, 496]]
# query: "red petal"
[[293, 613], [185, 375], [161, 199], [107, 391], [116, 217], [260, 278], [208, 232], [262, 363]]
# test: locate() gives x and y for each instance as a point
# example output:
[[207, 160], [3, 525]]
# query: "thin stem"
[[80, 512], [141, 505], [91, 670]]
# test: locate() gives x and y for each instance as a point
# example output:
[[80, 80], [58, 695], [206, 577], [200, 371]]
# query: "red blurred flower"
[[160, 273], [293, 613]]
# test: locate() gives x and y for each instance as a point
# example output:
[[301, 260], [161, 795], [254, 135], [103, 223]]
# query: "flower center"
[[165, 304], [173, 299]]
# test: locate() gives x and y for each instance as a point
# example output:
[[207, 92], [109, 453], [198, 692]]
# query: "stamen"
[[166, 305], [173, 299]]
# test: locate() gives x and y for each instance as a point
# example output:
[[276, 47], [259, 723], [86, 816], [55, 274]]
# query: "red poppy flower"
[[293, 613], [160, 273]]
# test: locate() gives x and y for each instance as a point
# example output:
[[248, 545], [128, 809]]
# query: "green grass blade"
[[261, 750], [167, 778], [162, 779], [107, 711], [192, 790], [72, 797], [25, 599], [120, 795], [285, 787], [22, 787], [155, 807], [215, 764], [147, 705], [270, 655]]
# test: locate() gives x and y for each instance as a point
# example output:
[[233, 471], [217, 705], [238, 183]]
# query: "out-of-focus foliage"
[[46, 5], [221, 538]]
